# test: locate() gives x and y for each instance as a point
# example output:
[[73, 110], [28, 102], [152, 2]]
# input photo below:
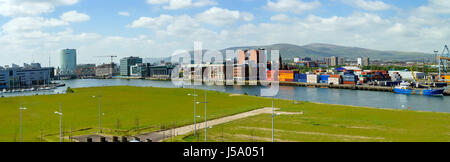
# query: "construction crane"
[[111, 65], [443, 63]]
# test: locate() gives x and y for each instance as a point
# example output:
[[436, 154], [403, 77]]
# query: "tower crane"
[[443, 63], [111, 65]]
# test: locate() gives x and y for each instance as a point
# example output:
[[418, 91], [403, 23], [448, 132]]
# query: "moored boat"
[[405, 88]]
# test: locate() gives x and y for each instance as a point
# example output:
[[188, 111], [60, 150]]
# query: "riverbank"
[[130, 111]]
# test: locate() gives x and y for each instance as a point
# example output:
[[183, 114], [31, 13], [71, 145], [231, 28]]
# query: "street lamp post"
[[195, 110], [60, 122], [206, 122], [273, 116], [99, 112], [21, 123]]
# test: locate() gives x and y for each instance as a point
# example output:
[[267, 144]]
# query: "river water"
[[322, 95]]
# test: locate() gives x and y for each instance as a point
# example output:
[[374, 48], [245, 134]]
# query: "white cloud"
[[26, 24], [295, 6], [31, 7], [74, 16], [371, 5], [281, 18], [157, 1], [223, 17], [435, 7], [122, 13], [181, 4], [149, 22]]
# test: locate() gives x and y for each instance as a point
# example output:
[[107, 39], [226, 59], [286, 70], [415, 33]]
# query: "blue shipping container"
[[324, 77]]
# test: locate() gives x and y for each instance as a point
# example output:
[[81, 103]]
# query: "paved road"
[[161, 135]]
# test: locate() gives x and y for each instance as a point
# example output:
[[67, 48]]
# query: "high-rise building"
[[126, 63], [334, 61], [68, 62], [341, 61], [366, 61], [360, 61]]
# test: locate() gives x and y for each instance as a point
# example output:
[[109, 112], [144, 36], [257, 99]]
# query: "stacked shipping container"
[[312, 78]]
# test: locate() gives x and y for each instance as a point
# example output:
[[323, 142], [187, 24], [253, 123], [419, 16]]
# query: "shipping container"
[[313, 78], [334, 80], [324, 77], [349, 83]]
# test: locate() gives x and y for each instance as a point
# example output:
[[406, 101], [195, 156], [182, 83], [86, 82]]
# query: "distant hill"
[[320, 50]]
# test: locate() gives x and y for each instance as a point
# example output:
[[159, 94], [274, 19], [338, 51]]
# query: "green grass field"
[[332, 123], [129, 107], [150, 109]]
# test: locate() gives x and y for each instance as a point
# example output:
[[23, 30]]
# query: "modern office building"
[[25, 77], [162, 71], [126, 63], [139, 70], [68, 62]]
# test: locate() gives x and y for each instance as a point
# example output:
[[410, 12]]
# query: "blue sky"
[[36, 30]]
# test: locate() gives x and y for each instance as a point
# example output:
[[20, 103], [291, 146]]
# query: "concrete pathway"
[[160, 136]]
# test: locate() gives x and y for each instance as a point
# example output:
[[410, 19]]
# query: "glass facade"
[[68, 62]]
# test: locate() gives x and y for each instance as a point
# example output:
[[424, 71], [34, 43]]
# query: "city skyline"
[[157, 28]]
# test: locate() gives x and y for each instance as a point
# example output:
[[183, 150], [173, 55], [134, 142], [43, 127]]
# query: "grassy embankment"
[[124, 108], [150, 109], [332, 123]]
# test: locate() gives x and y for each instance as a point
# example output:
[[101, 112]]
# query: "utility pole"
[[60, 122], [206, 124], [100, 112], [21, 123], [273, 116]]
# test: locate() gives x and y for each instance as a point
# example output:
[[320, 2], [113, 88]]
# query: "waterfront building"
[[139, 70], [25, 77], [86, 70], [126, 63], [105, 70], [251, 62], [68, 62], [160, 72]]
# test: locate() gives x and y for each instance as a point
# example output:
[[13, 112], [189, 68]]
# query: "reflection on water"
[[323, 95]]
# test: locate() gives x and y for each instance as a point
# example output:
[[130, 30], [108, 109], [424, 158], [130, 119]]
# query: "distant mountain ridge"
[[321, 50]]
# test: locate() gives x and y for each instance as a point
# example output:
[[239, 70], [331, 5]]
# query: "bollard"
[[102, 139], [115, 139], [124, 139], [89, 139]]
